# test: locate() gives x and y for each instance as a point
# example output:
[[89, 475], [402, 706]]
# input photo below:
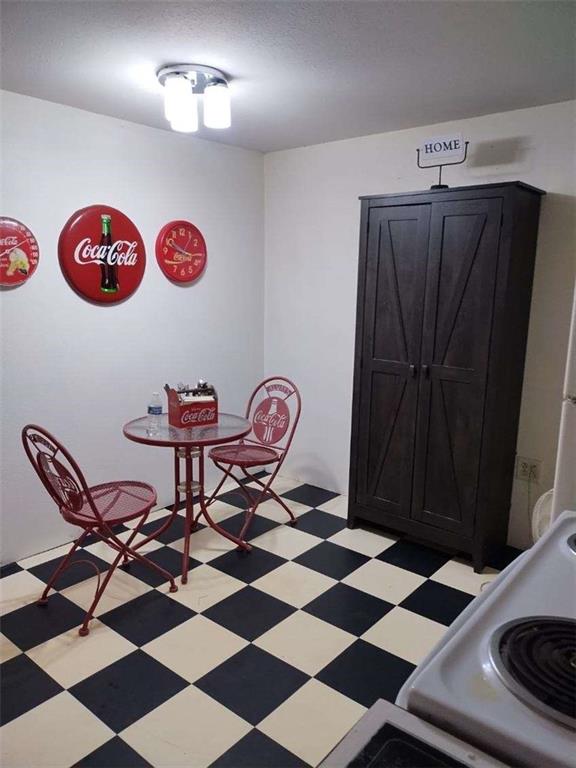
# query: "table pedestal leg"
[[189, 513]]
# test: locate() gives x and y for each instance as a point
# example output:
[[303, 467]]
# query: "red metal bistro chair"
[[97, 509], [274, 411]]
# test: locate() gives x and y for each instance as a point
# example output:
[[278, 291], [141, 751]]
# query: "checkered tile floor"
[[264, 659]]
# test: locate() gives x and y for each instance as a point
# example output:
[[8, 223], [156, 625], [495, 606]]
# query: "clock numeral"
[[195, 242], [182, 231], [165, 249]]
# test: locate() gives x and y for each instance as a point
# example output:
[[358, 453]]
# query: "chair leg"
[[127, 551], [84, 629], [44, 596], [267, 489]]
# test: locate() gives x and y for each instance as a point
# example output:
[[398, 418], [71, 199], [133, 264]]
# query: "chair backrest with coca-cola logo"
[[274, 411]]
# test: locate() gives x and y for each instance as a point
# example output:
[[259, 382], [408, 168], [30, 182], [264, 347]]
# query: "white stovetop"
[[457, 687]]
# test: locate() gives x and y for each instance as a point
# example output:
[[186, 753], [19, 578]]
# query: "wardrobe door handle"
[[413, 371], [426, 371]]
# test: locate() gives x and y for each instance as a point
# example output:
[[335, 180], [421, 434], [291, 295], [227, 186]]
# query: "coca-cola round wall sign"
[[19, 252], [102, 254], [181, 251]]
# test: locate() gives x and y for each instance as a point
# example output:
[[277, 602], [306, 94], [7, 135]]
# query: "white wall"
[[311, 245], [83, 370]]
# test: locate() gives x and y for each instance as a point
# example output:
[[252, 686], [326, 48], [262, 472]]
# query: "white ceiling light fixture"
[[183, 85]]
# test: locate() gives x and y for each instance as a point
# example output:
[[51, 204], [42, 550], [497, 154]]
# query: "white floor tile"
[[18, 590], [274, 511], [384, 581], [206, 586], [47, 555], [121, 588], [286, 541], [195, 647], [59, 732], [190, 729], [70, 658], [337, 506], [305, 642], [405, 634], [7, 649], [294, 584], [205, 545], [312, 721], [460, 575], [364, 542], [105, 552]]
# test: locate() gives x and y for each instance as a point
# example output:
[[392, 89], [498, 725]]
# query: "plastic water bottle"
[[154, 413]]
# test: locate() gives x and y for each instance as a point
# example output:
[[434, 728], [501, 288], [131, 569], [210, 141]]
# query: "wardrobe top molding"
[[448, 193]]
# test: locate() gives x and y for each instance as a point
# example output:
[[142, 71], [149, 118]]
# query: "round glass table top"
[[228, 429]]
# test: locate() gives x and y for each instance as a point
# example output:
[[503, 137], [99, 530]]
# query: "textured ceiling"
[[303, 72]]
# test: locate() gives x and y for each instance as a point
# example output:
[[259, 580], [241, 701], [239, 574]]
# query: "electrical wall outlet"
[[528, 469]]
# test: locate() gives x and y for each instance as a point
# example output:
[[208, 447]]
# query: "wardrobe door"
[[392, 327], [460, 286]]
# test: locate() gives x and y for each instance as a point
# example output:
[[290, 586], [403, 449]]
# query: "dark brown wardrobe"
[[444, 286]]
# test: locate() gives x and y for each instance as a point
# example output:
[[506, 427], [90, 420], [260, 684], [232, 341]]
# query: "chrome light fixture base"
[[199, 75]]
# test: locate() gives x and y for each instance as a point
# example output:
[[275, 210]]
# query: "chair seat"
[[117, 502], [243, 455]]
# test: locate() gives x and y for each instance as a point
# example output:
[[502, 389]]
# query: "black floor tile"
[[174, 531], [247, 566], [321, 524], [310, 495], [79, 569], [9, 569], [34, 624], [256, 750], [167, 558], [332, 560], [348, 608], [504, 557], [24, 686], [249, 612], [258, 526], [366, 673], [114, 754], [92, 538], [234, 498], [414, 557], [146, 617], [437, 602], [128, 689], [252, 683]]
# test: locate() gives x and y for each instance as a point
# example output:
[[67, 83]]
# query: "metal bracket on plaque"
[[441, 165]]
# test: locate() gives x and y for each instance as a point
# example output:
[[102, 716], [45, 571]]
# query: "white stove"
[[504, 676], [500, 688]]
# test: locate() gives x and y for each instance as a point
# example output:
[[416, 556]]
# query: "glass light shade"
[[176, 91], [186, 118], [217, 106]]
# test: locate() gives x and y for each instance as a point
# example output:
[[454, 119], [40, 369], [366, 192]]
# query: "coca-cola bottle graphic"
[[108, 272], [272, 411]]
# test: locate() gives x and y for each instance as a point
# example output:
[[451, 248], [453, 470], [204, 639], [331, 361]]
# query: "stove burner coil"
[[536, 659]]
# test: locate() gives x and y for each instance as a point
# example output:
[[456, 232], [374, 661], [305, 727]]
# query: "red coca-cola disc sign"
[[102, 254], [19, 252], [181, 251]]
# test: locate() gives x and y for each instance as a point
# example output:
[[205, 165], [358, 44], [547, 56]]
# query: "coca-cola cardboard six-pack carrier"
[[192, 407]]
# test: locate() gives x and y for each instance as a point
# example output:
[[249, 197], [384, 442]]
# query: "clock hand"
[[12, 247], [172, 244]]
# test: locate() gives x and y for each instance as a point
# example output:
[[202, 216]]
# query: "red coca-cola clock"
[[181, 251], [102, 254], [19, 252]]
